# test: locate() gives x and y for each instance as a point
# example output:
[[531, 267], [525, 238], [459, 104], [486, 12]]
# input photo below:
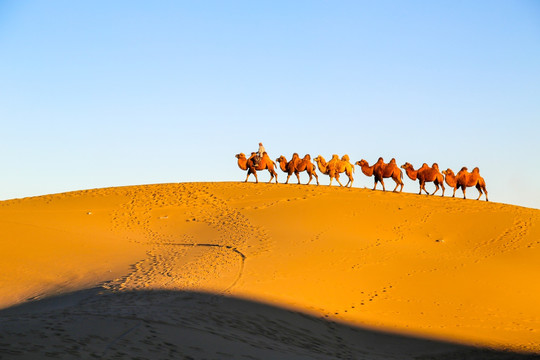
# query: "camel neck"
[[367, 170], [283, 165], [411, 173], [242, 163], [450, 180]]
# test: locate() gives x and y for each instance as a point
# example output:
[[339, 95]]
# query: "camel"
[[289, 167], [425, 174], [381, 171], [305, 164], [328, 169], [343, 165], [249, 165], [296, 166], [466, 179]]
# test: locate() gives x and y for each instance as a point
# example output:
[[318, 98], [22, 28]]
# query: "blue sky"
[[97, 94]]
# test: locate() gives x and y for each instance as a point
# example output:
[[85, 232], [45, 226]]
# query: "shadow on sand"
[[96, 324]]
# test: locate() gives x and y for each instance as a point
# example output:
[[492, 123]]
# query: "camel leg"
[[330, 181], [398, 182], [351, 179], [250, 171], [287, 181], [485, 192], [479, 193], [442, 186], [382, 183], [479, 188], [337, 179], [274, 174], [316, 177], [375, 186], [422, 187], [463, 188], [310, 177], [298, 177], [436, 188], [454, 194]]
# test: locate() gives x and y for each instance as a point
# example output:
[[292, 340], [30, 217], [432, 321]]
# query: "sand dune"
[[217, 270]]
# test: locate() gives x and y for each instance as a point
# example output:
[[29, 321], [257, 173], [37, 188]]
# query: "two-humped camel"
[[425, 174], [465, 179], [336, 166], [249, 165], [296, 166], [381, 170]]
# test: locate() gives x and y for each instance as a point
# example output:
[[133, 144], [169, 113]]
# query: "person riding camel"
[[258, 155]]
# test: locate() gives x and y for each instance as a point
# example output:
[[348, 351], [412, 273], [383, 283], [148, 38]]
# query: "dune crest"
[[440, 268]]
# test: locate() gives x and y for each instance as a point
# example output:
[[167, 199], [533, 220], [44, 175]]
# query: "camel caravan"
[[380, 170]]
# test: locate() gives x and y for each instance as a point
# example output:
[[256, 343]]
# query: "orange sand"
[[465, 271]]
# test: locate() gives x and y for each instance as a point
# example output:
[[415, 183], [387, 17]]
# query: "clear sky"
[[110, 93]]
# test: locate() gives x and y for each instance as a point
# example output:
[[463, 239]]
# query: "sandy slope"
[[353, 261]]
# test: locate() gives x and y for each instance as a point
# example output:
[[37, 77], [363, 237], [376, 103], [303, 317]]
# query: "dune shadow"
[[96, 324]]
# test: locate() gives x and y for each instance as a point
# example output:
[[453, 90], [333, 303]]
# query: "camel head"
[[321, 160], [406, 166], [448, 172], [361, 163], [281, 158], [240, 156]]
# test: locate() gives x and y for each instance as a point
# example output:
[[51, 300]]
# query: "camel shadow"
[[96, 324]]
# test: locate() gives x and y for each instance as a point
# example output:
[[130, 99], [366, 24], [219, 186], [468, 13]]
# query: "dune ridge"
[[439, 268]]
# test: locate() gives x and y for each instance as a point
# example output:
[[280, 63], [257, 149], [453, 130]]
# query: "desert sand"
[[248, 271]]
